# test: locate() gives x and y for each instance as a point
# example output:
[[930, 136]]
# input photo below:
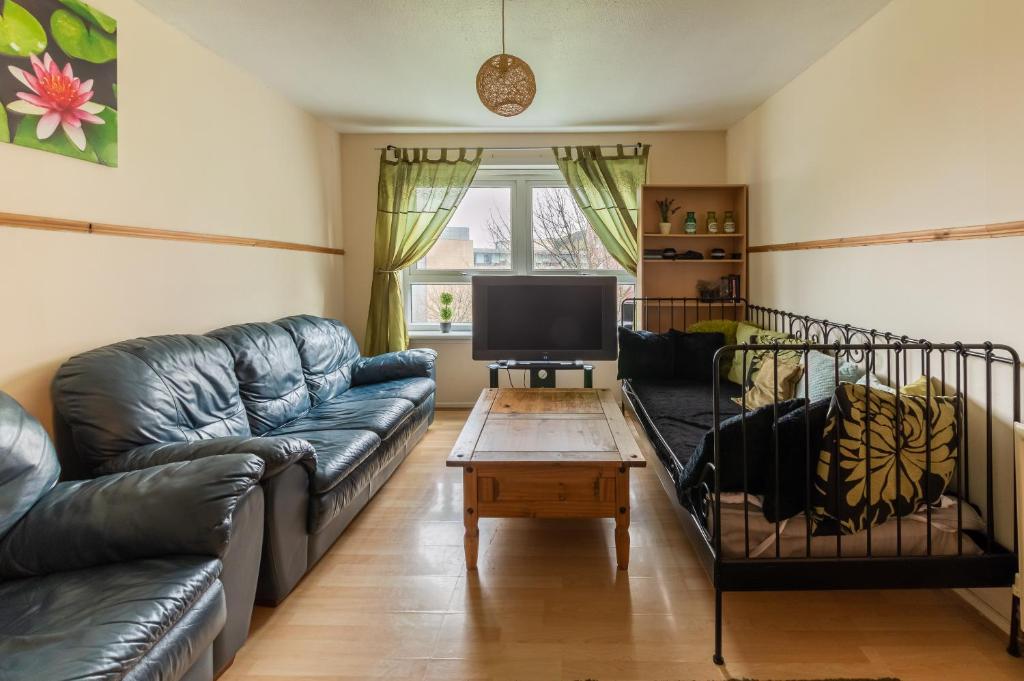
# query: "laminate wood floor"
[[392, 600]]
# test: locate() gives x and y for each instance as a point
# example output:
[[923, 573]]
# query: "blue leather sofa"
[[331, 426], [101, 579]]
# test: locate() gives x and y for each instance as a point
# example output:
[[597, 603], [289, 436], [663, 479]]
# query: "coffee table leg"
[[470, 516], [622, 518]]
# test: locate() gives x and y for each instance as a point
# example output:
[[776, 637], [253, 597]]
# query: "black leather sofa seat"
[[104, 622], [382, 417], [330, 425], [106, 578]]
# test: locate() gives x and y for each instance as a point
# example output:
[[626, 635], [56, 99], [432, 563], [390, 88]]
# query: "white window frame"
[[521, 183]]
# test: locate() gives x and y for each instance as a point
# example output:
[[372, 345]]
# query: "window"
[[509, 222]]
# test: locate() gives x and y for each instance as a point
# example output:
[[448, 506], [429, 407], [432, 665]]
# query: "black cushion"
[[644, 355], [694, 354], [102, 623], [157, 389], [269, 373], [338, 454], [416, 390], [689, 401], [794, 430], [382, 417], [28, 464], [327, 352], [758, 455]]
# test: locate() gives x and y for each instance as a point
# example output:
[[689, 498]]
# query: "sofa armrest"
[[180, 508], [276, 452], [390, 366]]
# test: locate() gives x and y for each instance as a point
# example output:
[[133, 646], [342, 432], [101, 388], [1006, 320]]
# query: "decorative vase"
[[690, 225], [730, 223], [712, 223], [664, 227], [446, 327]]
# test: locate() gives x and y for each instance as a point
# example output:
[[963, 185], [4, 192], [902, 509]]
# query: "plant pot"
[[446, 327], [664, 227]]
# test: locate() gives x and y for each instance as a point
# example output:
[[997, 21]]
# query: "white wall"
[[203, 147], [914, 121], [684, 157]]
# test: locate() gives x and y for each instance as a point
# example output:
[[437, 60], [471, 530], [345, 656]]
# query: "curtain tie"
[[387, 271]]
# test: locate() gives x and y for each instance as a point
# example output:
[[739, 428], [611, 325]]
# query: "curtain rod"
[[546, 147]]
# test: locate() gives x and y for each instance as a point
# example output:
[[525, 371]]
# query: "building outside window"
[[510, 222]]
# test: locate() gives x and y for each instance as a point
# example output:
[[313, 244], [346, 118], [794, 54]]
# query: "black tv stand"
[[542, 373]]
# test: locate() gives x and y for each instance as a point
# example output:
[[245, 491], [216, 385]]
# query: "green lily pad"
[[103, 138], [20, 33], [81, 41], [58, 143], [91, 14], [5, 130]]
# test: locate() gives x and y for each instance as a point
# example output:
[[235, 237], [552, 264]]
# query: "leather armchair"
[[131, 586]]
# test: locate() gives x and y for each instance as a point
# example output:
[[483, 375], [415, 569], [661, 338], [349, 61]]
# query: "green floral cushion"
[[758, 357], [745, 334], [850, 493]]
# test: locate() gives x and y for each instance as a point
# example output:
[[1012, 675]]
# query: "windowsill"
[[452, 337]]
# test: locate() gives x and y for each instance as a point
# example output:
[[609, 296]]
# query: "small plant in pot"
[[445, 312], [667, 211]]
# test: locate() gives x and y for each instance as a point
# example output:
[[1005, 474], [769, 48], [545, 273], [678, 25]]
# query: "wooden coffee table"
[[546, 453]]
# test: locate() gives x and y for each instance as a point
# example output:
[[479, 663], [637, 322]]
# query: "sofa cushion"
[[416, 390], [28, 464], [101, 622], [382, 417], [327, 350], [688, 401], [269, 374], [158, 389], [694, 354], [338, 453], [645, 355]]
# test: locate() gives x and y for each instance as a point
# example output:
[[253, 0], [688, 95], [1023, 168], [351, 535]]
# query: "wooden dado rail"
[[1001, 229], [59, 225]]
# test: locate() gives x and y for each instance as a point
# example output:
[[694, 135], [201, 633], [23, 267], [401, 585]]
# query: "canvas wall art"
[[58, 78]]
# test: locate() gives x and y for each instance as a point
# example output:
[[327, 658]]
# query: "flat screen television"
[[544, 318]]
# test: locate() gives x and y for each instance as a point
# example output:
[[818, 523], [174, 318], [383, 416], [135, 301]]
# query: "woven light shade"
[[506, 85]]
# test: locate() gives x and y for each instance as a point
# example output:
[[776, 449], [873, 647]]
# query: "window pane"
[[478, 235], [425, 303], [562, 238]]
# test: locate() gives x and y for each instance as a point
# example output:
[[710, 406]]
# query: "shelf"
[[654, 304], [722, 235], [705, 261]]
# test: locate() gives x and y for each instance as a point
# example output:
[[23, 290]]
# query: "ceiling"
[[601, 65]]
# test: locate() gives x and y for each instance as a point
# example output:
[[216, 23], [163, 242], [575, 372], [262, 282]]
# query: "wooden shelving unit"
[[678, 278]]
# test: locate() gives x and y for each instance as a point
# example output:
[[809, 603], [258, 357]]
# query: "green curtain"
[[605, 189], [416, 197]]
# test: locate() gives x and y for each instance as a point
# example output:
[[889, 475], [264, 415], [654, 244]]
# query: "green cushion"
[[745, 335], [726, 327]]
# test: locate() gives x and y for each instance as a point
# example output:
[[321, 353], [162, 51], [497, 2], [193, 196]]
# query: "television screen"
[[544, 318]]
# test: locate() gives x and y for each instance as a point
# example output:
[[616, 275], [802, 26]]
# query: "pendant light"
[[505, 83]]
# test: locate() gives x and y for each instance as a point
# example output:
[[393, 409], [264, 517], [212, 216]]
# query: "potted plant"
[[445, 312], [667, 211]]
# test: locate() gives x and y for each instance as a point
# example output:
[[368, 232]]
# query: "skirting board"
[[990, 613]]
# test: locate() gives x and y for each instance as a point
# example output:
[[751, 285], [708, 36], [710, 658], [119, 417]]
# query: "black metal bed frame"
[[996, 566]]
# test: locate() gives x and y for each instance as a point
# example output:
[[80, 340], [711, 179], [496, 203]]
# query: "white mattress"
[[793, 533]]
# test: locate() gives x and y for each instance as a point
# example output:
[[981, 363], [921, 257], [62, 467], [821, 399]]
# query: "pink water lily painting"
[[58, 78]]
